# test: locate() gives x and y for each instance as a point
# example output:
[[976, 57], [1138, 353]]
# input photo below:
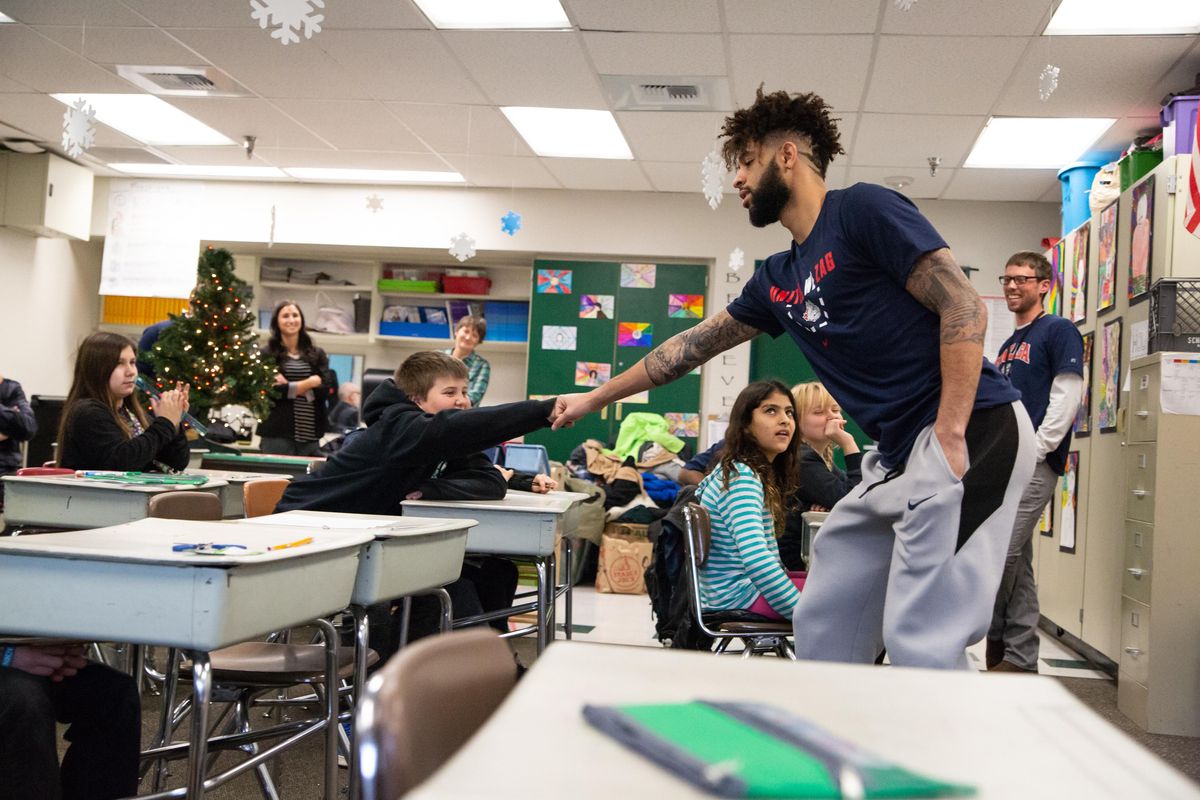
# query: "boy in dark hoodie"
[[424, 441]]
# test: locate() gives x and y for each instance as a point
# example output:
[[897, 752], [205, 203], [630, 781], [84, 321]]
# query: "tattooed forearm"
[[938, 283], [683, 352]]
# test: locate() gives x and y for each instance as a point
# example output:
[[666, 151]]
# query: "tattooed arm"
[[938, 283], [672, 359]]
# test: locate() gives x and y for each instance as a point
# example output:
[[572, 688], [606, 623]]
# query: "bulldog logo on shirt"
[[804, 305]]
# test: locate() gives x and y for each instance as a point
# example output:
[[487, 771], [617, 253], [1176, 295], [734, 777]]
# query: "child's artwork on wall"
[[635, 334], [1068, 503], [1053, 300], [638, 276], [1110, 376], [558, 337], [682, 424], [1083, 417], [1141, 238], [685, 306], [596, 306], [1046, 521], [641, 397], [1077, 275], [1106, 265], [592, 373], [554, 281]]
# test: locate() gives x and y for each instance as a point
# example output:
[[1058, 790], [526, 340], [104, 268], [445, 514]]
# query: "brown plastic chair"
[[424, 704], [757, 636], [259, 497], [194, 505]]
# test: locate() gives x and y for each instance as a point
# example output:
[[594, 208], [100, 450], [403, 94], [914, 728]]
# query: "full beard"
[[769, 199]]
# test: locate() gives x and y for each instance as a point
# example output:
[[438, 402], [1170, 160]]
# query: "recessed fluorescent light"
[[569, 132], [198, 171], [5, 18], [1034, 142], [495, 15], [148, 119], [1119, 17], [372, 175]]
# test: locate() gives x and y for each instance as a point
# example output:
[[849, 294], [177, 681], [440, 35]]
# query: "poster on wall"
[[1068, 503], [1054, 300], [1106, 264], [152, 240], [1083, 417], [1141, 240], [1110, 376], [592, 373], [1077, 308], [1046, 521]]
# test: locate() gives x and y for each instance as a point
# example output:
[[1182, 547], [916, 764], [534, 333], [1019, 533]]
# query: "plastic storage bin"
[[1175, 315], [1134, 166], [455, 284], [1076, 185], [1179, 124], [402, 285]]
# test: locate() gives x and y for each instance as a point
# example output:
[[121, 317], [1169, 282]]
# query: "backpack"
[[667, 581]]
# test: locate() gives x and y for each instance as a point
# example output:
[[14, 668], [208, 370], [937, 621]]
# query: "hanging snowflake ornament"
[[510, 223], [712, 173], [1048, 81], [905, 5], [375, 203], [79, 128], [288, 17], [462, 247], [737, 259]]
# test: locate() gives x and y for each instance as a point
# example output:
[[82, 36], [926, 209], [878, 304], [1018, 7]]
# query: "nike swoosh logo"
[[912, 505]]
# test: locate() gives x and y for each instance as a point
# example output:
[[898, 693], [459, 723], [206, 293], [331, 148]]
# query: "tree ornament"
[[1048, 81], [79, 128]]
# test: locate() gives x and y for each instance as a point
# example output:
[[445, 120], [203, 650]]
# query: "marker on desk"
[[297, 543], [103, 473]]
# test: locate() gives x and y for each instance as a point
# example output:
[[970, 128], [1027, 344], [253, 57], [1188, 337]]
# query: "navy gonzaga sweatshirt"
[[403, 450]]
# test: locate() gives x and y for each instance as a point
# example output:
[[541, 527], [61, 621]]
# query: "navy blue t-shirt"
[[702, 461], [1031, 358], [840, 295]]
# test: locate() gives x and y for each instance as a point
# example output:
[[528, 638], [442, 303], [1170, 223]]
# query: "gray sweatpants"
[[911, 559], [1015, 616]]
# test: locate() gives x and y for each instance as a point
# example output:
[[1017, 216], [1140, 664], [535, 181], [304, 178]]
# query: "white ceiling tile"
[[968, 18], [597, 173], [670, 135], [124, 155], [1083, 90], [1117, 138], [1000, 184], [462, 129], [93, 13], [656, 53], [374, 15], [42, 117], [1181, 77], [121, 45], [353, 124], [833, 67], [45, 66], [226, 156], [835, 176], [676, 176], [922, 186], [9, 85], [542, 68], [10, 132], [941, 75], [349, 159], [909, 140], [190, 14], [801, 16], [414, 66], [1051, 195], [237, 117], [504, 171], [675, 16]]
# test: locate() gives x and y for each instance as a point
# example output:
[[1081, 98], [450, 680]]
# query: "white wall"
[[48, 291]]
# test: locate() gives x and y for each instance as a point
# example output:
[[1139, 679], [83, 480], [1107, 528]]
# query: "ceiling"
[[379, 88]]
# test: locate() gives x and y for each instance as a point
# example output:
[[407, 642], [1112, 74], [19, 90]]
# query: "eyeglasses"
[[1019, 280]]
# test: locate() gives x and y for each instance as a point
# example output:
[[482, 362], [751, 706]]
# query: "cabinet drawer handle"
[[1133, 651], [1139, 492], [1135, 572], [1143, 413]]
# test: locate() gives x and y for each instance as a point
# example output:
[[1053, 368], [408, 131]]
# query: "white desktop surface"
[[1012, 736], [522, 523], [68, 502], [232, 502]]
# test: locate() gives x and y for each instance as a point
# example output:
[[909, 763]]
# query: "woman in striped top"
[[745, 496], [298, 419]]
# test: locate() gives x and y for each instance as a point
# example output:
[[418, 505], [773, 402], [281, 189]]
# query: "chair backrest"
[[424, 704], [36, 471], [195, 505], [697, 533], [259, 497]]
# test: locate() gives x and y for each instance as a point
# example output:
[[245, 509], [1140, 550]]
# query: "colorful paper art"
[[685, 306], [1142, 232], [1083, 417], [1110, 376], [682, 425], [558, 337], [1076, 274], [1054, 299], [596, 306], [1068, 503], [592, 373], [554, 281], [635, 334], [638, 276], [1106, 268], [640, 397]]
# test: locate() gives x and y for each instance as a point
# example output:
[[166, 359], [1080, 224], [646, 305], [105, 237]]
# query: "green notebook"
[[144, 478], [757, 750]]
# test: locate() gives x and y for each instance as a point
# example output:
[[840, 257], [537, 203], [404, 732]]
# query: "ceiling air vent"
[[659, 93], [182, 81]]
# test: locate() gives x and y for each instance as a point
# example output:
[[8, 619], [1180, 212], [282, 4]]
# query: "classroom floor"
[[625, 620]]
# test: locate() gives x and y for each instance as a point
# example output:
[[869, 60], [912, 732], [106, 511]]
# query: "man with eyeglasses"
[[1044, 359]]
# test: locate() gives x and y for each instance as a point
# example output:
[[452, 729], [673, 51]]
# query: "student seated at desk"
[[42, 685], [424, 441], [103, 425], [745, 494]]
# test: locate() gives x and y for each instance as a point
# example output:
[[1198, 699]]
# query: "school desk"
[[232, 505], [524, 524], [1009, 735], [128, 583], [64, 501], [262, 462]]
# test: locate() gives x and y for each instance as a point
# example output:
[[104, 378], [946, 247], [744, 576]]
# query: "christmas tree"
[[212, 345]]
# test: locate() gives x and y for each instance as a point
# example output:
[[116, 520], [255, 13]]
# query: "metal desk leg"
[[566, 569], [201, 694], [545, 601], [331, 707], [361, 643], [447, 618]]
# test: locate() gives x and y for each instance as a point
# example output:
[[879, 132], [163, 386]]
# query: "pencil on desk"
[[297, 543]]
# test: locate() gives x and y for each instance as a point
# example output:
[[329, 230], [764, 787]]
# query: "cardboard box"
[[625, 552]]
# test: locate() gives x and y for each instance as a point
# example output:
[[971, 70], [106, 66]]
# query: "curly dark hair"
[[805, 115]]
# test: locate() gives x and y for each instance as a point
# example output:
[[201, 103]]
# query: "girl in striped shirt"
[[745, 494]]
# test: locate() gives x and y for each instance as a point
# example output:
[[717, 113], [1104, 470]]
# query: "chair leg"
[[171, 682], [241, 716], [723, 645]]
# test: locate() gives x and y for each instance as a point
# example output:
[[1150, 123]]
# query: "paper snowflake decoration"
[[905, 5], [1048, 81], [462, 247], [737, 259], [375, 203], [79, 128], [510, 223], [288, 17], [712, 173]]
